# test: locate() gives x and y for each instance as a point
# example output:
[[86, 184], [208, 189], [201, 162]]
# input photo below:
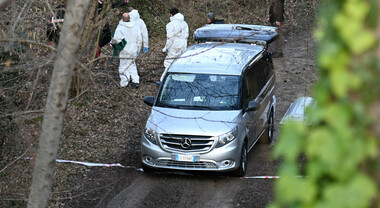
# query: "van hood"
[[192, 122]]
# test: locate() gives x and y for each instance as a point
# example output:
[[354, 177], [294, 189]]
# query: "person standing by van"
[[129, 34], [211, 19], [177, 33], [135, 17], [276, 18]]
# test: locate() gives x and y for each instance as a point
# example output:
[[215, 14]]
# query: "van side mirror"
[[149, 100], [253, 105]]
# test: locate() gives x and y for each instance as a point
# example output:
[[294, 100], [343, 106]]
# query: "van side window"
[[268, 69], [263, 72], [246, 92], [251, 85], [255, 78]]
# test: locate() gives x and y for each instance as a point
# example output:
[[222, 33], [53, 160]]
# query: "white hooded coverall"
[[135, 17], [177, 33], [127, 68]]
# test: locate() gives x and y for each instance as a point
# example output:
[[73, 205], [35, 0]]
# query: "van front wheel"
[[242, 169]]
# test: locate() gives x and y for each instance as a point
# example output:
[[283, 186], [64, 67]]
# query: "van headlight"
[[151, 135], [227, 137]]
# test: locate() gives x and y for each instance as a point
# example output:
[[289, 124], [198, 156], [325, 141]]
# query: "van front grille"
[[186, 143], [186, 165]]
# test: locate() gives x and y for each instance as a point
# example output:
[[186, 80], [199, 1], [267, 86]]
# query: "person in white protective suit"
[[130, 32], [135, 17], [177, 33]]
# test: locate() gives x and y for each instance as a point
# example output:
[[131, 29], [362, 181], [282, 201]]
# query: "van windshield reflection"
[[200, 91]]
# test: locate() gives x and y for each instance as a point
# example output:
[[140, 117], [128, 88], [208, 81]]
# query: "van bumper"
[[221, 159]]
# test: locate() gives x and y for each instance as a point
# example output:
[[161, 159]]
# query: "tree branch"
[[30, 42], [21, 156], [21, 113]]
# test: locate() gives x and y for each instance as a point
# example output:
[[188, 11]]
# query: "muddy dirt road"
[[200, 189], [295, 74]]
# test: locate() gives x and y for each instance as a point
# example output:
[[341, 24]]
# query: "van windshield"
[[200, 91]]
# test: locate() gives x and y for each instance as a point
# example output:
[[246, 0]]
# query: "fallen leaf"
[[8, 63]]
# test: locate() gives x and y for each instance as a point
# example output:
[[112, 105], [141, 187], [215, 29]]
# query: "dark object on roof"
[[243, 33]]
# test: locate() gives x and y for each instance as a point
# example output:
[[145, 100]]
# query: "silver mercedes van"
[[216, 101]]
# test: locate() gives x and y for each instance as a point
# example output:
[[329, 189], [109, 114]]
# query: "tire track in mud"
[[209, 192], [134, 194], [183, 189], [176, 190]]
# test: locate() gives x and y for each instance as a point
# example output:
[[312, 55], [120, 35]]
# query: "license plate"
[[185, 158]]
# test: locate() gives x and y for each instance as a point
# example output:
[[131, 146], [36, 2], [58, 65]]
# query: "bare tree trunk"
[[44, 168]]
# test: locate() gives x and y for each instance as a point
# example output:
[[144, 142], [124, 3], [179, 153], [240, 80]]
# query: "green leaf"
[[321, 146], [345, 30], [338, 116], [330, 49], [338, 144], [372, 147], [362, 41], [291, 140], [321, 94], [356, 9], [356, 193], [292, 191], [315, 169], [343, 81], [349, 24]]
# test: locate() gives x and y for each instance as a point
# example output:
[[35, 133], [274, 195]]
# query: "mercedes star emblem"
[[185, 142]]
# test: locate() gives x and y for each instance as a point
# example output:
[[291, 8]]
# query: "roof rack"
[[242, 33]]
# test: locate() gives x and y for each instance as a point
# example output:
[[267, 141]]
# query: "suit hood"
[[126, 24], [178, 17], [134, 14]]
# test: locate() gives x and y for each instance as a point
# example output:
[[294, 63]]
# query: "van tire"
[[242, 169], [267, 137]]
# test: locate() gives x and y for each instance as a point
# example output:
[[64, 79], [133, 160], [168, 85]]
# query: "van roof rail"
[[242, 33]]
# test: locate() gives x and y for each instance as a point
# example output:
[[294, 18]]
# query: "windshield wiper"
[[167, 105], [186, 106], [197, 107]]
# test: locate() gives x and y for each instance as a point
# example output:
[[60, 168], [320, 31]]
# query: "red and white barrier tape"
[[91, 164], [264, 177], [140, 169], [267, 177]]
